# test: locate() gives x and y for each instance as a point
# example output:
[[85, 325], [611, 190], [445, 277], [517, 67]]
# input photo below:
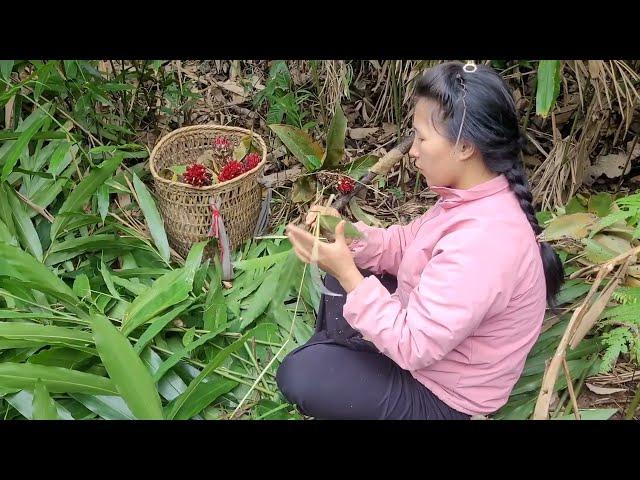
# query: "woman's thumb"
[[340, 231]]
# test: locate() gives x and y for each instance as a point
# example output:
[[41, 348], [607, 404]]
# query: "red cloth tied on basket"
[[218, 231]]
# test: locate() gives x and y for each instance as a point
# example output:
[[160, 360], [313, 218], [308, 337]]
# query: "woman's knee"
[[300, 374]]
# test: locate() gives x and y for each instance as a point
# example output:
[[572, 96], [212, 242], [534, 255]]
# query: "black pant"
[[338, 375]]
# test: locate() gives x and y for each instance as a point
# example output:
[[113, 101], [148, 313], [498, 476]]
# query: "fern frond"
[[616, 342]]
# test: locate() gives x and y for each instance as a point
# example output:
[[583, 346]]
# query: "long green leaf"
[[215, 308], [22, 401], [24, 227], [37, 115], [262, 298], [262, 262], [6, 215], [549, 77], [203, 396], [135, 288], [62, 251], [63, 356], [5, 68], [29, 315], [11, 344], [159, 324], [56, 379], [359, 167], [82, 286], [132, 379], [167, 291], [329, 223], [171, 385], [152, 217], [6, 236], [103, 201], [108, 280], [44, 408], [299, 143], [108, 407], [10, 159], [193, 261], [45, 196], [48, 334], [170, 362], [17, 264], [139, 272], [215, 363], [83, 192], [335, 139]]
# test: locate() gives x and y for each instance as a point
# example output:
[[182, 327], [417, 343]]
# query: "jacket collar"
[[450, 197]]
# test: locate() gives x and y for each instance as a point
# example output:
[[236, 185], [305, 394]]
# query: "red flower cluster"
[[346, 185], [222, 146], [251, 161], [197, 175], [232, 169]]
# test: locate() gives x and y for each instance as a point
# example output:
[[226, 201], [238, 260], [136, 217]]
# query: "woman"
[[437, 316]]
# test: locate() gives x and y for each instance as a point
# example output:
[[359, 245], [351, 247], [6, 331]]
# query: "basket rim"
[[208, 126]]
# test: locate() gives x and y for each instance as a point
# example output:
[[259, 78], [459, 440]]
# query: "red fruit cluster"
[[346, 185], [197, 175], [251, 161], [232, 169]]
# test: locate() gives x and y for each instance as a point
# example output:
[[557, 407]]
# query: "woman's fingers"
[[302, 255], [311, 218], [300, 236]]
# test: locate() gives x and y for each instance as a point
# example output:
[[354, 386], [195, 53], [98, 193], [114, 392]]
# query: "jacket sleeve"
[[382, 248], [464, 279]]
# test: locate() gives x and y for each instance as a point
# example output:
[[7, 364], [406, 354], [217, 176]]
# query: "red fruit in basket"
[[251, 161], [231, 169], [346, 185], [197, 175], [222, 145]]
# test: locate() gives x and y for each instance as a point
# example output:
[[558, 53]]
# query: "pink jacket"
[[470, 300]]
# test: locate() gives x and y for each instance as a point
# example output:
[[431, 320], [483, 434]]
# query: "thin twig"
[[37, 208], [570, 388], [287, 340]]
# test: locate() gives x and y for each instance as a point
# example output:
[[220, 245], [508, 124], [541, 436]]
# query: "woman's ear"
[[465, 151]]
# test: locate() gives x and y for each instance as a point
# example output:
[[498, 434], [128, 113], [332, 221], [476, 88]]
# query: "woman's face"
[[432, 151]]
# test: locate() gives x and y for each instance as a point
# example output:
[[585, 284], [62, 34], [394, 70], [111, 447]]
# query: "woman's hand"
[[334, 258], [312, 218]]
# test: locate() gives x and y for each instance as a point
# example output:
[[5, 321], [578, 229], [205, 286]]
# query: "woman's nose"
[[413, 151]]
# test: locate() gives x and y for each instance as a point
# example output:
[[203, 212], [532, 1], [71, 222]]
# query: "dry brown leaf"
[[636, 149], [604, 391], [613, 243], [595, 68], [389, 128], [206, 159], [610, 165], [575, 226], [8, 112], [634, 271], [233, 87], [361, 133], [531, 160], [631, 281]]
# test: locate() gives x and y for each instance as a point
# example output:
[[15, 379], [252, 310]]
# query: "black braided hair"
[[491, 125]]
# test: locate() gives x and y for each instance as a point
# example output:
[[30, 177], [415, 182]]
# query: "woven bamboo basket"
[[186, 210]]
